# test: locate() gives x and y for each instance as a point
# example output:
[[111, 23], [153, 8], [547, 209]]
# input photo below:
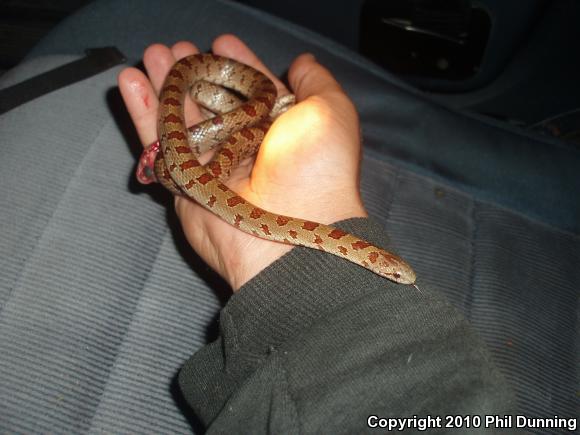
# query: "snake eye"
[[397, 275]]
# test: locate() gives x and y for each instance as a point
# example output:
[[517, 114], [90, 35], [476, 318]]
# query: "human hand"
[[307, 166]]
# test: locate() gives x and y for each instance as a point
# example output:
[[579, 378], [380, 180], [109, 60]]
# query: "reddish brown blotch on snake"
[[238, 128]]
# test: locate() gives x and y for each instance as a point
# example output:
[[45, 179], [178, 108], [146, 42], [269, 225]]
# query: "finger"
[[231, 46], [141, 101], [183, 49], [308, 78], [158, 60], [179, 51]]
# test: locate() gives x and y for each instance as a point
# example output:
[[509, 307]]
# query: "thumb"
[[308, 78]]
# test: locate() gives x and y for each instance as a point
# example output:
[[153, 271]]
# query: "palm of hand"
[[307, 164]]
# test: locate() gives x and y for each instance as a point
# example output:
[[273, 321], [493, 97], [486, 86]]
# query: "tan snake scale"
[[238, 128]]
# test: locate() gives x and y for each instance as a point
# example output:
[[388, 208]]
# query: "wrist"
[[252, 258], [256, 254]]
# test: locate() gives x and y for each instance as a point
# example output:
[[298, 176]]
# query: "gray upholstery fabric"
[[99, 310], [101, 303]]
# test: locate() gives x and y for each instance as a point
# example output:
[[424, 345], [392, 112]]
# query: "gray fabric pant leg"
[[101, 302]]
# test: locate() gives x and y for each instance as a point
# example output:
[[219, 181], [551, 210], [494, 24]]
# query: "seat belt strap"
[[96, 61]]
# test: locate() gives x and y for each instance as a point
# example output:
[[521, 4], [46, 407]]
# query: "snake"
[[241, 103]]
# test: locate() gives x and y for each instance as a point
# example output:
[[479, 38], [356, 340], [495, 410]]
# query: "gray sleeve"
[[315, 344]]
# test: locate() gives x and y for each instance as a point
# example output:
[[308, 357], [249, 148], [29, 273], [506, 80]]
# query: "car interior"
[[497, 79]]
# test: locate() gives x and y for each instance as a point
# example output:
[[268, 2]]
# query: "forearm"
[[314, 338]]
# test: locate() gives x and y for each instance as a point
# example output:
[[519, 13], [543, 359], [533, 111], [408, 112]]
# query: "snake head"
[[394, 268]]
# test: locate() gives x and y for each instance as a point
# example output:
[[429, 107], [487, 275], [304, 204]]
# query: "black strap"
[[96, 61]]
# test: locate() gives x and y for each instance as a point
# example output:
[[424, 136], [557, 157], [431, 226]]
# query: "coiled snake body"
[[239, 128]]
